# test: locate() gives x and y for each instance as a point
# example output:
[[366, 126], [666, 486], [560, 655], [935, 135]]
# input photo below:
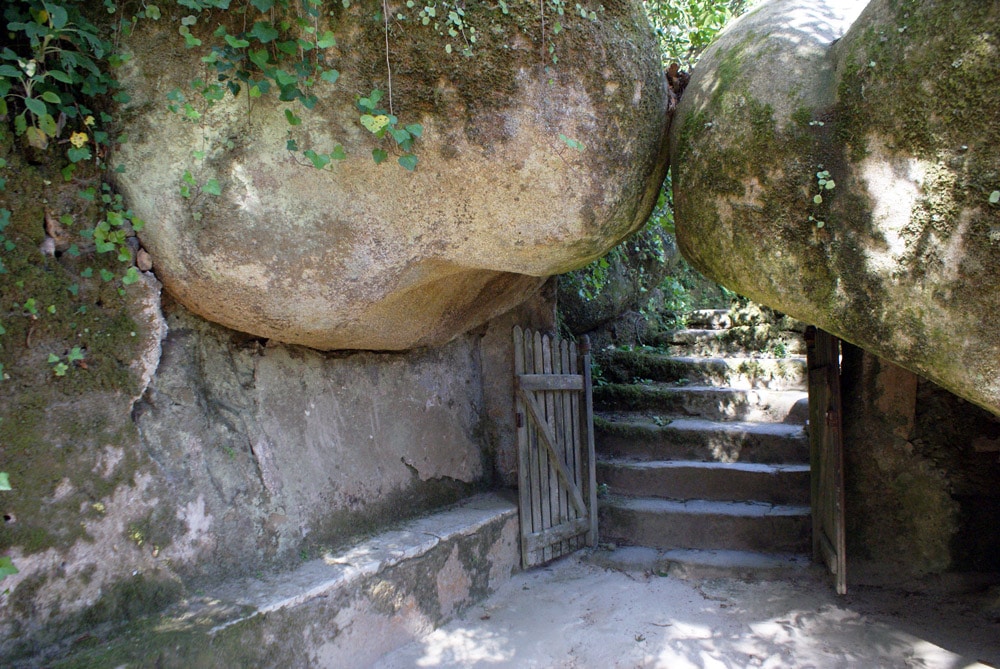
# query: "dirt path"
[[574, 614]]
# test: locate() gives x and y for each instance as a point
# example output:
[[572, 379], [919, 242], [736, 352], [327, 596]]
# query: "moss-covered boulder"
[[852, 181], [541, 148], [621, 281]]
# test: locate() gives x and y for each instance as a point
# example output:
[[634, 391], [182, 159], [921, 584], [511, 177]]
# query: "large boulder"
[[367, 256], [849, 178]]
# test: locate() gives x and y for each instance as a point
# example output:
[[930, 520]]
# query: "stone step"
[[739, 340], [636, 437], [705, 525], [345, 610], [712, 403], [621, 366], [702, 564], [720, 481]]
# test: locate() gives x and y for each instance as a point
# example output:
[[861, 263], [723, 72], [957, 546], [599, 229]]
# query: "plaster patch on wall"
[[198, 534], [453, 584]]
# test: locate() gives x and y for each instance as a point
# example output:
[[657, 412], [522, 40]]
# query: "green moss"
[[132, 599], [50, 425]]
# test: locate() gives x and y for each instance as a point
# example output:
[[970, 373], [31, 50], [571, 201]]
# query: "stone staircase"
[[702, 448]]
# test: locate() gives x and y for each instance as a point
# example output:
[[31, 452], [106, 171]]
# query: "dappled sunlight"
[[572, 614], [828, 636], [463, 646]]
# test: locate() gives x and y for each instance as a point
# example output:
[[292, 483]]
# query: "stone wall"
[[241, 457], [922, 475]]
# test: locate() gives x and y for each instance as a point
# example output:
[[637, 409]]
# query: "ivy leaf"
[[415, 129], [292, 118], [379, 156], [7, 567], [375, 124], [401, 136], [131, 276], [264, 32], [76, 155], [76, 353], [995, 197], [235, 42], [212, 187], [262, 5], [60, 369], [326, 41], [319, 160], [5, 481], [409, 162], [53, 358], [106, 275], [330, 76], [338, 153]]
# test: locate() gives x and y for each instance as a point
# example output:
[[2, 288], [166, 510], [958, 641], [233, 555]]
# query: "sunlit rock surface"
[[366, 256], [847, 180]]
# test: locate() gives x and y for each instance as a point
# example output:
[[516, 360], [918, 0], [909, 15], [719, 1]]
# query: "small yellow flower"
[[78, 139], [89, 121]]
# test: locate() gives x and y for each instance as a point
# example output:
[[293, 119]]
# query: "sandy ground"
[[575, 614]]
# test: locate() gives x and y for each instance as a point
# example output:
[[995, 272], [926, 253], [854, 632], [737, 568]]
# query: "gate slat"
[[562, 496], [545, 498], [548, 406], [523, 459], [531, 342], [588, 426], [567, 440]]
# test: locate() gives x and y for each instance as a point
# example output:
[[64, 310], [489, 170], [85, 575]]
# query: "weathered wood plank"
[[571, 528], [826, 454], [566, 438], [574, 400], [533, 451], [550, 382], [545, 439], [588, 426], [523, 461], [543, 457], [829, 552]]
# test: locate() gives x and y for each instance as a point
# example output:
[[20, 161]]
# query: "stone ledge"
[[346, 609]]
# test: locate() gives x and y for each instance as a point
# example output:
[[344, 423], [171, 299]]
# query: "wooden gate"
[[555, 446], [826, 454]]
